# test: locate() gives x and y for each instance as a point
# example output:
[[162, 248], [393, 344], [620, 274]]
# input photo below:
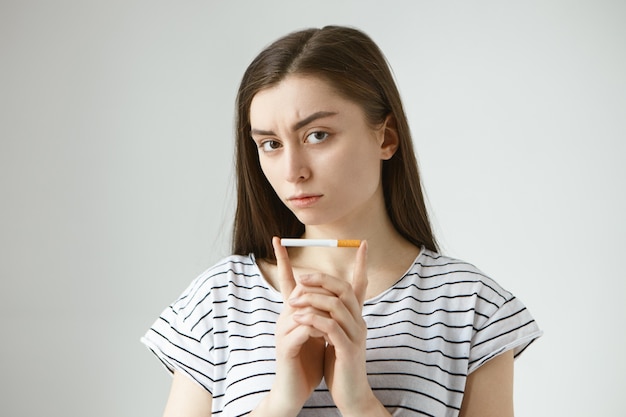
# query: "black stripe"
[[426, 339], [255, 361], [419, 313], [176, 330], [458, 391], [438, 323], [395, 389], [445, 355], [183, 349], [427, 365], [500, 335]]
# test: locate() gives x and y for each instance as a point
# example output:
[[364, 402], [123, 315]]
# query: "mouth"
[[304, 201]]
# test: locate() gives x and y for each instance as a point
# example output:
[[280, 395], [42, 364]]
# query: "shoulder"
[[440, 263], [500, 320], [233, 264], [435, 270], [218, 280]]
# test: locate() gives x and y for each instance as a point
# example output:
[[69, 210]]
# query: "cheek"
[[357, 172], [269, 171]]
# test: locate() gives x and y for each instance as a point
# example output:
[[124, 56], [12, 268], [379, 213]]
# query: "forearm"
[[275, 406], [369, 407]]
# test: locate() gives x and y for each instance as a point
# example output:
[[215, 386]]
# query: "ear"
[[390, 140]]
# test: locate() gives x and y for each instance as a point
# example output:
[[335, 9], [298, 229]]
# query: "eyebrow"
[[298, 125]]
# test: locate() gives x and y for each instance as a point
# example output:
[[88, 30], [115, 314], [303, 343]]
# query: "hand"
[[337, 315], [299, 348]]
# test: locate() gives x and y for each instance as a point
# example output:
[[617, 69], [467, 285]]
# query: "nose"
[[296, 164]]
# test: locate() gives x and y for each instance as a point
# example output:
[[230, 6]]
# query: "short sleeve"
[[509, 327], [182, 336]]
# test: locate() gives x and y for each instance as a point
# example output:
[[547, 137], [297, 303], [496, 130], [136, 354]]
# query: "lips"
[[304, 201]]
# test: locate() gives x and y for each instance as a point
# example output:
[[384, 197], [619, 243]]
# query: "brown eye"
[[270, 145], [317, 137]]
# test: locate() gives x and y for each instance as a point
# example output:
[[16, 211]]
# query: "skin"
[[323, 159]]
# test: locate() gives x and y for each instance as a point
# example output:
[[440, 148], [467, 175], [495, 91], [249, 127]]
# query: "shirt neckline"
[[372, 300]]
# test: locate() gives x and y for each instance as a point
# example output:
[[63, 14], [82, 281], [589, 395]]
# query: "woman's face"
[[318, 151]]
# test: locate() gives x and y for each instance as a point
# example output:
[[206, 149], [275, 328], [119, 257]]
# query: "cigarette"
[[330, 243]]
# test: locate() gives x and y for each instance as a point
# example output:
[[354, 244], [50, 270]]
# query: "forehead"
[[295, 98]]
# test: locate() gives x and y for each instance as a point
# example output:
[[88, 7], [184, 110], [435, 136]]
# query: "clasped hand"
[[321, 333]]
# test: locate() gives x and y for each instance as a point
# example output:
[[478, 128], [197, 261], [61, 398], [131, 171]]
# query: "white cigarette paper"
[[329, 243]]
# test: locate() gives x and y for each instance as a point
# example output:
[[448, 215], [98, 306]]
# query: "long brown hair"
[[354, 65]]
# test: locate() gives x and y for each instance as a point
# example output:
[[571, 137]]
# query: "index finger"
[[359, 275], [286, 281]]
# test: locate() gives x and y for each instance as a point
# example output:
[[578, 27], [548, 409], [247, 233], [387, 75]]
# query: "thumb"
[[359, 275], [286, 281]]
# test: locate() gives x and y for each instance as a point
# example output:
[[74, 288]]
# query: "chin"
[[311, 219]]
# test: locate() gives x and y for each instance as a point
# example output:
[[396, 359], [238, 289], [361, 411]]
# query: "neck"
[[389, 254]]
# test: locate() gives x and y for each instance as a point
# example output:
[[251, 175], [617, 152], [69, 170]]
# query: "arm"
[[489, 389], [337, 314], [300, 357], [187, 399], [299, 352]]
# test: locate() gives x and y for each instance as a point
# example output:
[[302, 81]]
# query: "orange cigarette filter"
[[348, 243]]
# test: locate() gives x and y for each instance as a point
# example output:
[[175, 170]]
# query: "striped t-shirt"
[[438, 323]]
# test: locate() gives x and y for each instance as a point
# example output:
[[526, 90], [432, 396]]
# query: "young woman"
[[389, 328]]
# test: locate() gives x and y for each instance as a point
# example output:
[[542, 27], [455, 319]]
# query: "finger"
[[359, 275], [286, 281], [293, 324], [337, 315], [331, 329], [293, 341], [324, 306], [339, 294]]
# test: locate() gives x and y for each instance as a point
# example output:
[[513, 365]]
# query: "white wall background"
[[116, 178]]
